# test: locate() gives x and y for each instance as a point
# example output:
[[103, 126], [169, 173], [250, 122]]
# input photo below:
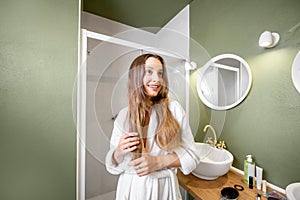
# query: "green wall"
[[38, 54], [267, 123]]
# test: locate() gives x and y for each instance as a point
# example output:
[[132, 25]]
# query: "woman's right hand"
[[127, 144]]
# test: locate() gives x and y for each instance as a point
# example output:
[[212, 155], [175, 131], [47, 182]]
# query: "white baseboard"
[[270, 185], [106, 196]]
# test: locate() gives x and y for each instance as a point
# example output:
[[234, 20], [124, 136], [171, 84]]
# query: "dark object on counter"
[[250, 182], [229, 193], [238, 187], [258, 196]]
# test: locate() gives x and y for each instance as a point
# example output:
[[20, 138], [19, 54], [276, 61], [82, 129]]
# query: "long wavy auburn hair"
[[139, 105]]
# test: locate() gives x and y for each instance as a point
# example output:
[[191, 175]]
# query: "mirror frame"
[[201, 73], [296, 72]]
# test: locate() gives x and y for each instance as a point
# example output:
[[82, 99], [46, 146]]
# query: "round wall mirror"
[[296, 72], [224, 81]]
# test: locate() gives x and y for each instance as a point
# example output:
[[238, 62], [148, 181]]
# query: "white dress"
[[159, 185]]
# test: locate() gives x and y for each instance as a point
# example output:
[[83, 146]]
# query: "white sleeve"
[[118, 130], [187, 154]]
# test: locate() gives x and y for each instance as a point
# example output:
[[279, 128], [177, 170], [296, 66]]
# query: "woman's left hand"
[[146, 164]]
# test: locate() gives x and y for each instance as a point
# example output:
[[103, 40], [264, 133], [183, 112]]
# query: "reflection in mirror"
[[296, 72], [224, 81]]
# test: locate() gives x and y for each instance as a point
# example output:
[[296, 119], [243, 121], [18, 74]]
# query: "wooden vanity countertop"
[[211, 190]]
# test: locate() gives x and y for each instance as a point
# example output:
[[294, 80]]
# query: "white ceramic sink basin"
[[293, 191], [213, 162]]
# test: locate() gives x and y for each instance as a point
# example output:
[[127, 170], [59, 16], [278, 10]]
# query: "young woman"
[[151, 137]]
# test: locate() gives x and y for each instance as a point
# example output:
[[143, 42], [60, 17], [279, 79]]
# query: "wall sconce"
[[268, 39], [190, 65]]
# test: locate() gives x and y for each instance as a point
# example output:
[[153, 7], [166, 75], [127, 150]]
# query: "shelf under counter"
[[211, 190]]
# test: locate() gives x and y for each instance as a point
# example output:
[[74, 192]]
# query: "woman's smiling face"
[[153, 78]]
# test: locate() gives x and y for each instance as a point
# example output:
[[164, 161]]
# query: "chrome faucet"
[[214, 132]]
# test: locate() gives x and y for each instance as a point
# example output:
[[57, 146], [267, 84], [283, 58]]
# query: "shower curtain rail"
[[114, 40]]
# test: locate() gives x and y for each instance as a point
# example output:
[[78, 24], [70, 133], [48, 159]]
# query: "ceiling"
[[136, 13]]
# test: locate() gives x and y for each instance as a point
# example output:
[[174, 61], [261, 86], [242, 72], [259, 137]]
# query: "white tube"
[[259, 172], [264, 188]]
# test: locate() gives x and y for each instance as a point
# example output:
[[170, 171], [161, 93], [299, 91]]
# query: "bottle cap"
[[250, 182]]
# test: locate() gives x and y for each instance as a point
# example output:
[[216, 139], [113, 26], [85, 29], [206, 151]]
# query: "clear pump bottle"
[[248, 168]]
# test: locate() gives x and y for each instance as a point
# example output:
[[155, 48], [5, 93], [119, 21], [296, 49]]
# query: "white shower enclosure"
[[102, 89]]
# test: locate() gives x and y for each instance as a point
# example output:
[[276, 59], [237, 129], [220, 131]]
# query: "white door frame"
[[81, 97]]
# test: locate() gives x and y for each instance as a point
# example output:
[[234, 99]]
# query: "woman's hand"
[[147, 163], [127, 144]]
